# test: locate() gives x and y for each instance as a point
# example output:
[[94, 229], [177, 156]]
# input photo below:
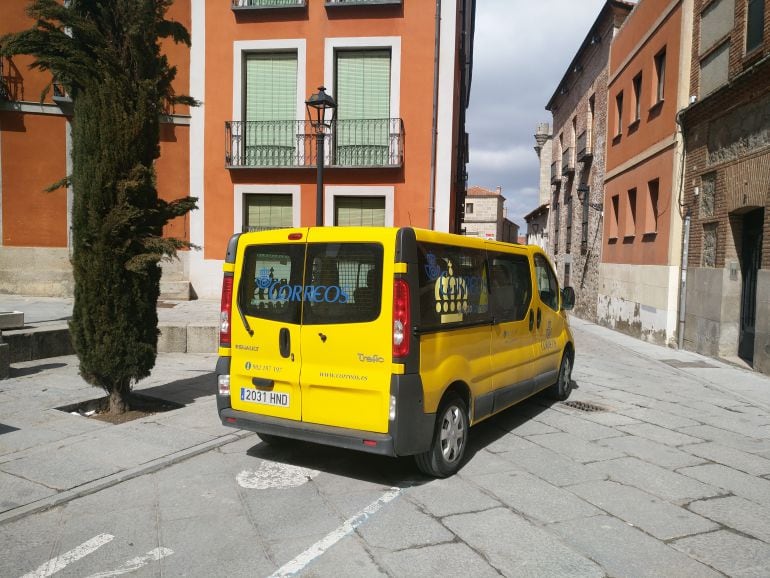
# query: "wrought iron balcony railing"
[[555, 173], [567, 162], [256, 4], [584, 146], [360, 2], [292, 144]]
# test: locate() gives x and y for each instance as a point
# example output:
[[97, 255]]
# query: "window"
[[363, 107], [569, 224], [556, 224], [262, 211], [651, 208], [638, 97], [630, 221], [547, 286], [714, 69], [584, 224], [614, 218], [469, 208], [510, 287], [452, 285], [267, 270], [755, 24], [359, 211], [270, 108], [660, 75], [619, 114]]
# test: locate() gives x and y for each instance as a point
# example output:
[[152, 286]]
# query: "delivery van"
[[392, 341]]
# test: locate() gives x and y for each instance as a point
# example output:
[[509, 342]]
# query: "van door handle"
[[284, 342], [539, 317], [531, 319]]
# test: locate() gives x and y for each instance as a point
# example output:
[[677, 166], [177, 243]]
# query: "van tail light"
[[401, 318], [225, 311]]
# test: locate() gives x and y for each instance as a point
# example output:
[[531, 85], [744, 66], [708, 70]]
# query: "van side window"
[[547, 285], [270, 273], [510, 287], [453, 285], [343, 283]]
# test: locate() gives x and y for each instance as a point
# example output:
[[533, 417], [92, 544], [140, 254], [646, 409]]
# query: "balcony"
[[567, 162], [361, 2], [584, 146], [555, 176], [267, 4], [369, 143]]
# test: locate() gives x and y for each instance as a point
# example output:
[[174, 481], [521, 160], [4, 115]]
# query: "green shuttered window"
[[270, 108], [363, 107], [266, 212], [359, 211]]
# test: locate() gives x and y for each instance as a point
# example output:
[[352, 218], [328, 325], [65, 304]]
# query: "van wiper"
[[240, 311]]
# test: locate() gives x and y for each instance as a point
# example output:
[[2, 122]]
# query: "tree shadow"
[[24, 371], [184, 391]]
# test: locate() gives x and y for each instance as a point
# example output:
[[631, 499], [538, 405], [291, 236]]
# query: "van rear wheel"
[[563, 386], [450, 439]]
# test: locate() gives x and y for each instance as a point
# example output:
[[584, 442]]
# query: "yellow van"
[[386, 340]]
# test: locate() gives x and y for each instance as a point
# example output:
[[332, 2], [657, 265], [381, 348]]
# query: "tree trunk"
[[119, 400]]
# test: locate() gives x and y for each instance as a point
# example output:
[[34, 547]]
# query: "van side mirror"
[[567, 298]]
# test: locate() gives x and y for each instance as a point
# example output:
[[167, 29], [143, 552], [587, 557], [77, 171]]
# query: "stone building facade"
[[537, 220], [485, 216], [579, 108], [727, 183]]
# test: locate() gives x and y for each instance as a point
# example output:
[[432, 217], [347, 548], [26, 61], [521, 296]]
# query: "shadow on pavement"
[[24, 371], [184, 391]]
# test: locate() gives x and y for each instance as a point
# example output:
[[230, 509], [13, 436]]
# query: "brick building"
[[248, 152], [485, 216], [579, 108], [641, 254], [727, 182]]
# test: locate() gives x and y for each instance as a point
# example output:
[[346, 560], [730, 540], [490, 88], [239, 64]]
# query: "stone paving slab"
[[649, 513], [729, 439], [730, 457], [575, 448], [658, 434], [445, 560], [671, 486], [728, 552], [535, 552], [554, 468], [625, 551], [730, 480], [738, 513], [652, 452]]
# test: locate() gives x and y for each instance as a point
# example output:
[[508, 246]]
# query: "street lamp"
[[582, 191], [317, 105]]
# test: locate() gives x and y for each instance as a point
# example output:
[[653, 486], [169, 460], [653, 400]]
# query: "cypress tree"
[[107, 55]]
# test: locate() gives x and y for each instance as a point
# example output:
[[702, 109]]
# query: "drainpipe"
[[434, 126], [683, 280]]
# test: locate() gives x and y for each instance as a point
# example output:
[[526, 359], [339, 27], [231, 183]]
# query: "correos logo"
[[283, 292]]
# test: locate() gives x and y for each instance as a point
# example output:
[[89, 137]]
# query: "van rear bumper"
[[381, 444]]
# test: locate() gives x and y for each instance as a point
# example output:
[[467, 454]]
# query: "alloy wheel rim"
[[452, 434]]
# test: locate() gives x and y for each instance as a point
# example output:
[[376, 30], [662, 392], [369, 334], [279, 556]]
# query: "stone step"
[[175, 290]]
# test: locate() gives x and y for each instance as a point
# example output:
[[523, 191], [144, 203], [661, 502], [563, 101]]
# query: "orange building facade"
[[639, 274], [395, 153]]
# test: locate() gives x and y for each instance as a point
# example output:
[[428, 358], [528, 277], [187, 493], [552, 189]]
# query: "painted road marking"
[[57, 564], [275, 475], [136, 563], [325, 543]]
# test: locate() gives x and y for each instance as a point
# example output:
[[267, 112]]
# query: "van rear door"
[[266, 352], [346, 328]]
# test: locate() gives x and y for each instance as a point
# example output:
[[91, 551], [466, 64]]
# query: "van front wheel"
[[450, 439]]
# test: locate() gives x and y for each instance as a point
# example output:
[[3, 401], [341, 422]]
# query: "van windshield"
[[329, 283]]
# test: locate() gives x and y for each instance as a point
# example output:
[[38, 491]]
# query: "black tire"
[[563, 386], [450, 439]]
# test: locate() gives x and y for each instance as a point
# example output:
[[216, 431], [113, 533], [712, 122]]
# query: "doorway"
[[751, 261]]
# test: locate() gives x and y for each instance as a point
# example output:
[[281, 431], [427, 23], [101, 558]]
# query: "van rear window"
[[328, 283], [343, 283]]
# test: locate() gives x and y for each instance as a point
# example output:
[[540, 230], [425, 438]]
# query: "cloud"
[[522, 50]]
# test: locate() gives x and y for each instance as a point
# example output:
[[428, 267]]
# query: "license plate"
[[264, 397]]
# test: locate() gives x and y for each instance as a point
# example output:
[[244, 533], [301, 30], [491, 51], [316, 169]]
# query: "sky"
[[522, 49]]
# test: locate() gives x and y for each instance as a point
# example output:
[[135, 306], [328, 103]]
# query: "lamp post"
[[317, 105], [582, 191]]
